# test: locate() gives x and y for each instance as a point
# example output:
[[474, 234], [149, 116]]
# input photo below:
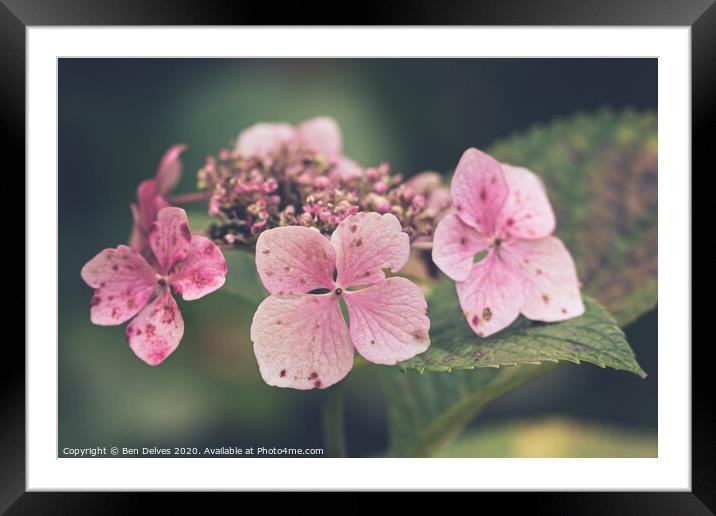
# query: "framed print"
[[359, 258]]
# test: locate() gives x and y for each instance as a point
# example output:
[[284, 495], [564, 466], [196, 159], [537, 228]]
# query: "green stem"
[[189, 198], [334, 440]]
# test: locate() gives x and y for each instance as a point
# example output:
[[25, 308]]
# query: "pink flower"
[[300, 337], [320, 134], [504, 211], [151, 195], [125, 283]]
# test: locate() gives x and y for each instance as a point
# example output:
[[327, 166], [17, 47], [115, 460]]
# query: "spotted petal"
[[366, 243], [294, 260], [201, 272], [478, 190], [548, 277], [301, 342], [123, 283], [170, 238], [455, 245], [527, 213], [388, 322], [491, 296], [155, 333]]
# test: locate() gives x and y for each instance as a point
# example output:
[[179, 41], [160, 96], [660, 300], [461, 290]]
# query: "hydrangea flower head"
[[279, 175], [502, 212], [299, 334], [151, 196], [127, 285]]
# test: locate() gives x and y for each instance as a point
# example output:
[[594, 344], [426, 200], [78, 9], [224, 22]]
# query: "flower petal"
[[169, 171], [301, 342], [388, 322], [294, 260], [366, 243], [150, 202], [478, 190], [549, 279], [155, 333], [201, 272], [137, 238], [321, 134], [345, 170], [425, 182], [262, 139], [170, 238], [123, 283], [491, 296], [527, 213], [455, 245]]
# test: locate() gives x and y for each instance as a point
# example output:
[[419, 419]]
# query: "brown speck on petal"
[[475, 320], [545, 298], [487, 314], [283, 373], [184, 228]]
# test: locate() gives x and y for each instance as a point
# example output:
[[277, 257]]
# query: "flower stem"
[[189, 198], [334, 440]]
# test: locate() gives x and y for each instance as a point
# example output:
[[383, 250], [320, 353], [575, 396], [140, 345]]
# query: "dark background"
[[116, 118]]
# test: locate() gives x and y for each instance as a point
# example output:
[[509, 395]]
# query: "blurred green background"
[[117, 117]]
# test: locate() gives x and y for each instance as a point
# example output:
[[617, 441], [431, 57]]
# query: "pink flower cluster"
[[325, 231], [278, 175]]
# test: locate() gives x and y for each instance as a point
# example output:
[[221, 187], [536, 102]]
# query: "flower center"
[[339, 291], [162, 281]]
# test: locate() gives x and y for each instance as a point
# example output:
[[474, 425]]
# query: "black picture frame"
[[700, 15]]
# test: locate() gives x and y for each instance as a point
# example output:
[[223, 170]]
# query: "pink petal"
[[150, 202], [478, 190], [321, 134], [170, 238], [345, 170], [301, 341], [549, 279], [455, 245], [527, 213], [294, 260], [388, 322], [366, 243], [137, 238], [155, 333], [438, 202], [262, 139], [491, 296], [425, 182], [123, 283], [169, 171], [201, 272]]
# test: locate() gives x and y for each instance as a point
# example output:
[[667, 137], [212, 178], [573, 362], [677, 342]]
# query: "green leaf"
[[242, 279], [426, 410], [593, 337], [600, 170]]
